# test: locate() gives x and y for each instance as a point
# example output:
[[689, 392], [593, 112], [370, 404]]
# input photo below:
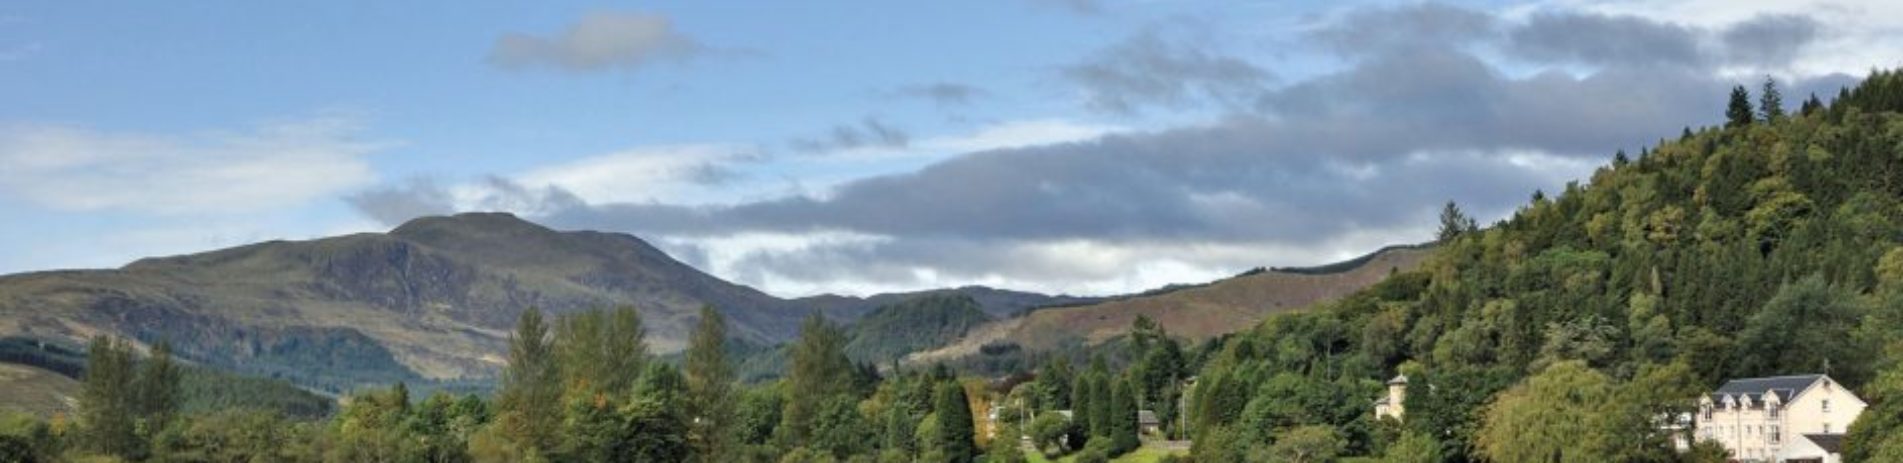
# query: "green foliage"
[[601, 350], [954, 440], [892, 331], [710, 386], [1738, 113], [820, 372], [1305, 444], [1049, 432], [108, 404], [1122, 420], [528, 404]]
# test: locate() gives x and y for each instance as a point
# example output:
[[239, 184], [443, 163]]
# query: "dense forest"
[[1570, 331]]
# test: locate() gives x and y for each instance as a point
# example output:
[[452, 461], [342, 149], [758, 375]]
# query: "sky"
[[1065, 146]]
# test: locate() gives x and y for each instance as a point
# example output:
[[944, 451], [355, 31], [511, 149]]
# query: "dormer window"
[[1707, 410], [1770, 410]]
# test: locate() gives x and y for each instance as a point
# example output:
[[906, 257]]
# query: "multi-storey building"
[[1762, 419]]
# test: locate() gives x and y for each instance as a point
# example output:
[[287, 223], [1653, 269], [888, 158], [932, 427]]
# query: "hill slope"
[[1192, 312]]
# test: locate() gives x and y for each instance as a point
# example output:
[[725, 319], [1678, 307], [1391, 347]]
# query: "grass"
[[1145, 454]]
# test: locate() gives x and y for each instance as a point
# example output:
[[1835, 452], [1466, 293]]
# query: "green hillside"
[[1771, 245], [892, 331]]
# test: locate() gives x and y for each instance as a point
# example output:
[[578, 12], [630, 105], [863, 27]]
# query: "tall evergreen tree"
[[529, 400], [710, 386], [1080, 403], [1123, 417], [1770, 101], [106, 401], [1103, 408], [1453, 222], [955, 429], [1739, 113], [820, 371]]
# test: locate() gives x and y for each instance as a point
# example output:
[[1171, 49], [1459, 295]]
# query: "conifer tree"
[[1453, 222], [1770, 102], [955, 430], [1739, 113], [1123, 417], [1080, 403], [710, 386]]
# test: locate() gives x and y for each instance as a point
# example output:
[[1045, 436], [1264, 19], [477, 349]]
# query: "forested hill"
[[1770, 245]]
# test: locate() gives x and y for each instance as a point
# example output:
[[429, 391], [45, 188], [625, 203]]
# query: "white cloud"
[[678, 174], [220, 172], [1858, 34]]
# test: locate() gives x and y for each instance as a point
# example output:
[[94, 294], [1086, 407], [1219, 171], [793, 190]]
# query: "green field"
[[1145, 454]]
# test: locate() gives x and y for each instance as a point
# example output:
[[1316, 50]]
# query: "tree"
[[1123, 418], [955, 431], [158, 388], [1739, 113], [1050, 430], [1308, 443], [1454, 223], [1805, 327], [1770, 101], [1080, 402], [1054, 380], [1879, 430], [1005, 447], [656, 427], [529, 399], [710, 386], [1553, 416], [820, 370], [601, 350], [1412, 448], [106, 402]]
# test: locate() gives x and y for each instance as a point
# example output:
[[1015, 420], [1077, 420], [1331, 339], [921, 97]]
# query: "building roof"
[[1833, 443], [1146, 417], [1783, 386]]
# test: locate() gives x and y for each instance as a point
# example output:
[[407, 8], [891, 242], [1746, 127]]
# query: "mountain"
[[1193, 312], [430, 300]]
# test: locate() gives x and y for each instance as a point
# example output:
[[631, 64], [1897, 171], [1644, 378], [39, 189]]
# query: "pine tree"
[[820, 371], [710, 385], [1123, 417], [1739, 113], [1080, 403], [1770, 102], [1104, 409], [955, 430], [106, 402], [530, 396], [1454, 223]]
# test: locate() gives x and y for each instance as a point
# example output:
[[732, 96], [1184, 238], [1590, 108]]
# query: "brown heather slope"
[[1194, 313], [32, 390]]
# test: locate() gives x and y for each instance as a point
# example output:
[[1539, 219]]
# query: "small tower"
[[1392, 406]]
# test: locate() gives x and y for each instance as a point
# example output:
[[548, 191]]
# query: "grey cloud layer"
[[1417, 118], [599, 41], [1152, 70]]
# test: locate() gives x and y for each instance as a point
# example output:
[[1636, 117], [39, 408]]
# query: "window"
[[1826, 405], [1773, 435], [1770, 410], [1707, 410], [1826, 428]]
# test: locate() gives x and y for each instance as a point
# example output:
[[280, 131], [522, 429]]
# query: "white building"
[[1391, 406], [1778, 419]]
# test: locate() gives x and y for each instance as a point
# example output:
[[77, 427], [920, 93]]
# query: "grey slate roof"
[[1784, 386], [1833, 443]]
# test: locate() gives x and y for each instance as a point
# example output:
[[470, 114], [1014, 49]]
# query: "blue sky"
[[1055, 145]]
